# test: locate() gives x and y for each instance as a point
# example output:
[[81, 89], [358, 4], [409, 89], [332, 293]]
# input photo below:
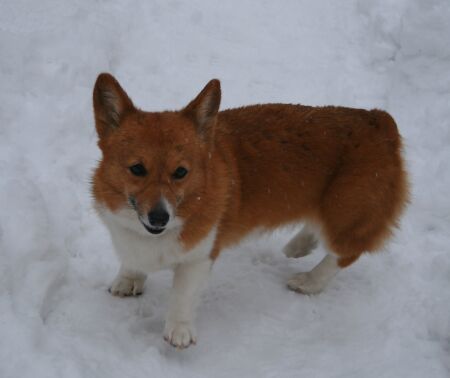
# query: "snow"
[[388, 315]]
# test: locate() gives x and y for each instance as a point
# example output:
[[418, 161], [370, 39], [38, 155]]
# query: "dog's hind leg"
[[314, 281], [302, 244]]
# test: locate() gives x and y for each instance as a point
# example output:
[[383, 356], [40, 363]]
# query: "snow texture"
[[388, 315]]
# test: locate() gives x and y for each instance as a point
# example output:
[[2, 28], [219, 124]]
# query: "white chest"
[[139, 250]]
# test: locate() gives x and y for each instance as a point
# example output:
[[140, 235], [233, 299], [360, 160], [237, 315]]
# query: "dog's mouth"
[[154, 230]]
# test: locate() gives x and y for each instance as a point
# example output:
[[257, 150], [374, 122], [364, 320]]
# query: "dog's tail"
[[387, 125]]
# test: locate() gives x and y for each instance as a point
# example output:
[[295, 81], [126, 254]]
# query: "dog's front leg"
[[188, 282], [128, 282]]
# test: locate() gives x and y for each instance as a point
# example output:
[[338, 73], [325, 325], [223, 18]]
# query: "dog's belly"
[[139, 250]]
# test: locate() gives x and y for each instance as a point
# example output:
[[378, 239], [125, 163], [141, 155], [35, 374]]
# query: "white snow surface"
[[388, 315]]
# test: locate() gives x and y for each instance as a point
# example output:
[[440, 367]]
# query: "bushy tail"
[[387, 125]]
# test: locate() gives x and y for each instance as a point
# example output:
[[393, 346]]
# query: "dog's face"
[[153, 163]]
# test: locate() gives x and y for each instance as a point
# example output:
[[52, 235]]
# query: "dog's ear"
[[111, 103], [203, 109]]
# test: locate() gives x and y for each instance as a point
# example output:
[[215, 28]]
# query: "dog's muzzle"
[[157, 218]]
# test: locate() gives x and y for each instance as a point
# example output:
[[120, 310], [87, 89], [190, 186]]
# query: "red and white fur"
[[174, 188]]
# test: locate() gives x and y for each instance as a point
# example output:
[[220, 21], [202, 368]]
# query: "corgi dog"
[[175, 188]]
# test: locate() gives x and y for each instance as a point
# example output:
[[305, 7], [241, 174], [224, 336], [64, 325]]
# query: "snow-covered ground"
[[386, 316]]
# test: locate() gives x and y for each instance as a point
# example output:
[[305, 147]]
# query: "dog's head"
[[153, 163]]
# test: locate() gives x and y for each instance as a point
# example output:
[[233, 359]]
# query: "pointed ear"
[[203, 109], [111, 103]]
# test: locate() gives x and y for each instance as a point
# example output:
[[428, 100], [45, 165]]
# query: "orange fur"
[[255, 167]]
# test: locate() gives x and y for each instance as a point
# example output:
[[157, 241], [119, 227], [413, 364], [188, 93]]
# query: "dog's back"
[[338, 168]]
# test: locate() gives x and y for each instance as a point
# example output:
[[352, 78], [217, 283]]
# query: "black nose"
[[158, 216]]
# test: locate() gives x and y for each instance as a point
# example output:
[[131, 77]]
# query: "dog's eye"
[[179, 173], [138, 170]]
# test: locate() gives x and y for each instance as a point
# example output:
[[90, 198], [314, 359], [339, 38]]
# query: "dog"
[[174, 188]]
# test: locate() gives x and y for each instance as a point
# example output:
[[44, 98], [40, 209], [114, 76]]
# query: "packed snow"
[[388, 315]]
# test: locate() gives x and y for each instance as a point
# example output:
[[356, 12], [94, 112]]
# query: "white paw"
[[305, 283], [300, 246], [125, 286], [179, 334]]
